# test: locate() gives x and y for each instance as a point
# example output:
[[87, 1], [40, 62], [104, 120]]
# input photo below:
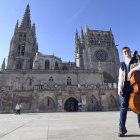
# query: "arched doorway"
[[47, 104], [71, 105], [93, 104], [112, 103]]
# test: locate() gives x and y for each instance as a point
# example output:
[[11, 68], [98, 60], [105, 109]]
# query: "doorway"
[[71, 105]]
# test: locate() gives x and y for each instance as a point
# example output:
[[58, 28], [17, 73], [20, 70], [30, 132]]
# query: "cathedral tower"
[[96, 50], [23, 45]]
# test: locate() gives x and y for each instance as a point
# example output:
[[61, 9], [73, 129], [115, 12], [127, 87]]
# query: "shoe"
[[122, 132]]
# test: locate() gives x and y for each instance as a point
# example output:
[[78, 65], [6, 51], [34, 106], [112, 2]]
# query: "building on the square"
[[44, 83]]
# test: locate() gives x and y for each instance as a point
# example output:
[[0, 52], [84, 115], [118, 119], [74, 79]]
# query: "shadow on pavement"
[[132, 135]]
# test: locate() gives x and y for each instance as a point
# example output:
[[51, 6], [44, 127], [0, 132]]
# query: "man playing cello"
[[124, 89]]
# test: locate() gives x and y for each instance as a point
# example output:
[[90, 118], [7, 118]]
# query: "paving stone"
[[66, 126]]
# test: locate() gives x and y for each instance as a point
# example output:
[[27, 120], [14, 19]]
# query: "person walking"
[[124, 89], [17, 108]]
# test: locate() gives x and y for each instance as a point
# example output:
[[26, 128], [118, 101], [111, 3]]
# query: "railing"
[[82, 86], [55, 86]]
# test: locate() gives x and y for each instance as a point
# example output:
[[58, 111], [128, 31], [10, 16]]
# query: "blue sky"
[[57, 20]]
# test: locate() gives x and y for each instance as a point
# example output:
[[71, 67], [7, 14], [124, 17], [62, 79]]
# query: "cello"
[[134, 101]]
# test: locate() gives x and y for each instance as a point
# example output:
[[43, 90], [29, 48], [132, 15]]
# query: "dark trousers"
[[18, 111], [124, 103]]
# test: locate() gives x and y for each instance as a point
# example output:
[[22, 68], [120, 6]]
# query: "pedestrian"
[[17, 108], [124, 89]]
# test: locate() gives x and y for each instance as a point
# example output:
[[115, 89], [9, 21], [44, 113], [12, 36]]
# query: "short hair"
[[135, 52], [125, 48]]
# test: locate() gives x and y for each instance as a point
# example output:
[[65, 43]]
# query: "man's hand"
[[120, 92]]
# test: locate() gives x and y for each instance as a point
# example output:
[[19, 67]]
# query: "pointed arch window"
[[93, 100], [31, 63], [47, 64], [24, 37], [68, 81], [23, 50], [19, 47], [112, 103], [30, 82], [51, 79], [19, 65], [56, 65], [20, 36]]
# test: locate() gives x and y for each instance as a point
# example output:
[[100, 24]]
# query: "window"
[[23, 50], [30, 82], [51, 79], [56, 65], [47, 64], [24, 37], [18, 49], [31, 64], [20, 36], [68, 81], [19, 66]]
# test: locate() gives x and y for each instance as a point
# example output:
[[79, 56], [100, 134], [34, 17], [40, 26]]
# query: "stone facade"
[[44, 83]]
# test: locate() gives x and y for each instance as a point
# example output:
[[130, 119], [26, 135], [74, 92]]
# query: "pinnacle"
[[26, 21]]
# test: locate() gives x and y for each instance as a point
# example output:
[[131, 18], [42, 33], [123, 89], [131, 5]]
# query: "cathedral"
[[45, 83]]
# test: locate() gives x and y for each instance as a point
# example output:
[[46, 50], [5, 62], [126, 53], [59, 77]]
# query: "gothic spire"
[[82, 33], [16, 27], [76, 36], [86, 28], [34, 35], [26, 21], [3, 65], [110, 30], [34, 29]]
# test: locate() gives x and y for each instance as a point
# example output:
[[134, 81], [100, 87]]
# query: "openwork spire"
[[3, 65], [16, 27], [34, 35], [26, 21], [82, 34], [76, 35], [34, 30]]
